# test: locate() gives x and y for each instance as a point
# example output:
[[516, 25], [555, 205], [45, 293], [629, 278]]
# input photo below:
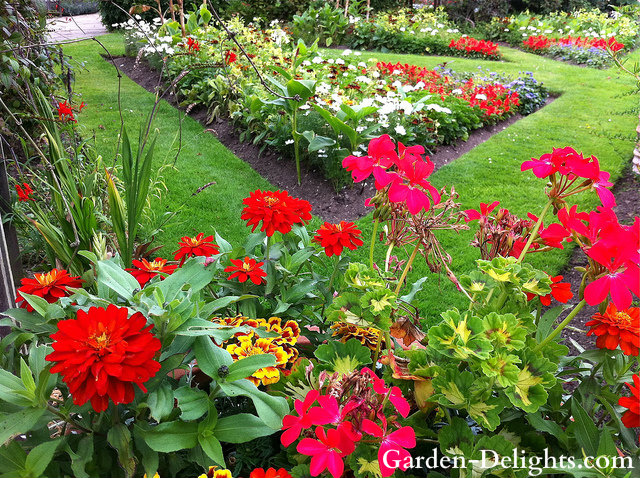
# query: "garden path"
[[72, 28]]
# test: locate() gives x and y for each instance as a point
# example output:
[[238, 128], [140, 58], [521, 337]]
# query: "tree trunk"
[[181, 13], [173, 10]]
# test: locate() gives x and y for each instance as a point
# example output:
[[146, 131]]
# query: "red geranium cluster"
[[495, 100], [542, 42], [276, 210], [612, 249], [472, 45], [404, 173], [349, 413], [193, 45]]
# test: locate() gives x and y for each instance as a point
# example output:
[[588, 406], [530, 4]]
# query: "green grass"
[[595, 113]]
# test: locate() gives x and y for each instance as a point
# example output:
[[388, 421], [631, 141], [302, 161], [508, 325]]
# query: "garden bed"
[[328, 204]]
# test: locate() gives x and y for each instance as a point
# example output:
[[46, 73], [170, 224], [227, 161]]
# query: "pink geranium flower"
[[293, 425], [485, 209], [601, 185], [381, 155], [393, 444], [395, 394], [328, 450], [410, 186]]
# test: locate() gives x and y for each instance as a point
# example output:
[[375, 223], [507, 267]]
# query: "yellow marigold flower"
[[247, 347], [366, 336]]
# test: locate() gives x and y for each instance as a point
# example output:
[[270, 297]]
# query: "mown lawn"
[[595, 113]]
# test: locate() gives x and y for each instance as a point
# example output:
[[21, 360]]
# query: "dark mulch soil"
[[332, 206], [348, 204]]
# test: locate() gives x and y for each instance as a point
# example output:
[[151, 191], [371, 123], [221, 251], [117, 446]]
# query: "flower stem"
[[536, 228], [406, 269], [373, 242], [562, 325]]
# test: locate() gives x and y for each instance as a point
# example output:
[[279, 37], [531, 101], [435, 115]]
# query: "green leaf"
[[317, 142], [192, 401], [343, 358], [193, 273], [211, 357], [39, 305], [81, 457], [548, 426], [27, 378], [9, 385], [460, 337], [172, 436], [585, 431], [119, 437], [245, 367], [111, 275], [415, 288], [212, 447], [545, 324], [223, 302], [160, 402], [269, 408], [241, 428], [19, 422], [40, 456], [12, 459]]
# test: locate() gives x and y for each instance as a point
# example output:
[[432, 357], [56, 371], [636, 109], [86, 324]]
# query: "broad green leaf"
[[269, 408], [81, 457], [160, 402], [193, 273], [585, 431], [192, 401], [245, 367], [460, 337], [211, 446], [40, 456], [172, 436], [241, 428], [343, 358], [19, 422], [119, 437], [111, 275], [210, 357]]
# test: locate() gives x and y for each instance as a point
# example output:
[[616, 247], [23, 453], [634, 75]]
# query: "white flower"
[[357, 53], [400, 130], [402, 29], [289, 141], [376, 74], [340, 61], [419, 85], [457, 91], [481, 97], [438, 108], [347, 52], [323, 88], [317, 59], [305, 107], [396, 84], [362, 64], [406, 107]]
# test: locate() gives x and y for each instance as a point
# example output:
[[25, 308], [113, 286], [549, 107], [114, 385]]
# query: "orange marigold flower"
[[366, 336], [270, 473], [246, 347], [617, 327], [101, 353], [24, 192], [276, 210], [51, 286], [334, 237], [246, 269], [631, 418], [213, 472], [195, 246], [144, 270]]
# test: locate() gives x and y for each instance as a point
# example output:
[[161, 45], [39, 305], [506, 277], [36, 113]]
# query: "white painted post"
[[7, 286]]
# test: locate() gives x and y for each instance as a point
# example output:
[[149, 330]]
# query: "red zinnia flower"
[[270, 473], [560, 291], [246, 269], [334, 237], [51, 286], [65, 113], [195, 246], [102, 353], [631, 418], [617, 327], [24, 192], [276, 209], [144, 270]]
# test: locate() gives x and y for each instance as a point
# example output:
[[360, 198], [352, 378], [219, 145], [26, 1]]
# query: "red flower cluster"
[[404, 172], [631, 418], [472, 45], [198, 246], [617, 327], [494, 99], [270, 473], [50, 286], [24, 192], [276, 210], [542, 42], [334, 237], [193, 45], [351, 417], [246, 269], [560, 291], [102, 353], [144, 270], [65, 113], [230, 57]]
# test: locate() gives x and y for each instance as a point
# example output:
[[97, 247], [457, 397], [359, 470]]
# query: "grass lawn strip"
[[593, 113]]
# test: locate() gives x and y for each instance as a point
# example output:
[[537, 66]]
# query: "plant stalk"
[[562, 325]]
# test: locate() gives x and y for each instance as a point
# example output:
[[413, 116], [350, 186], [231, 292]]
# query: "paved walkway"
[[79, 26]]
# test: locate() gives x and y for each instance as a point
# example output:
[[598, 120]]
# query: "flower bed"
[[423, 31], [582, 37], [346, 100]]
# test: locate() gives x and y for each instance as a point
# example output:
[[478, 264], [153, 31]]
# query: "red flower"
[[394, 393], [144, 270], [381, 155], [24, 192], [230, 57], [293, 425], [196, 246], [631, 418], [334, 237], [276, 209], [270, 473], [394, 442], [617, 327], [102, 353], [246, 269], [560, 291], [410, 185], [65, 113], [485, 209], [50, 286], [328, 450], [193, 45]]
